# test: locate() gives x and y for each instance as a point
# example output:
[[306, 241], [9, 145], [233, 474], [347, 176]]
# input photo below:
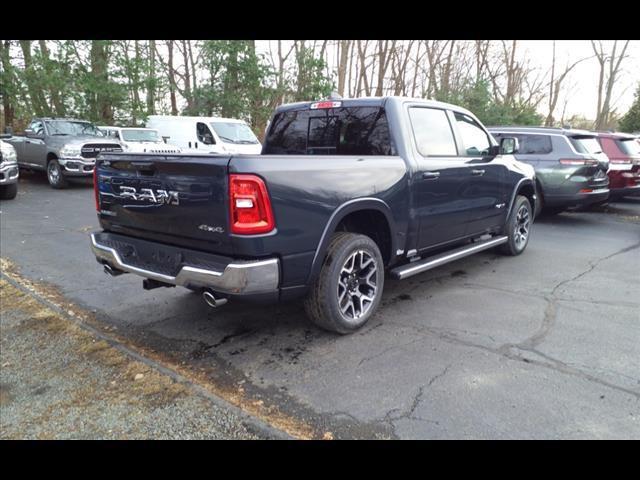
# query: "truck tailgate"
[[180, 200]]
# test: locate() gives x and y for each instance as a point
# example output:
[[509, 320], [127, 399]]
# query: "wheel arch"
[[351, 216], [526, 187]]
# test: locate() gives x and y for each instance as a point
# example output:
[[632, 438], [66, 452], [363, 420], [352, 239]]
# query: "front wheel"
[[348, 289], [8, 192], [55, 176], [518, 227]]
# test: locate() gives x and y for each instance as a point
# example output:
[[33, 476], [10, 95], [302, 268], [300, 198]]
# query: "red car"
[[623, 151]]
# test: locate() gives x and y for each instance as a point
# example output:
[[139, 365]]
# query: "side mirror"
[[509, 145]]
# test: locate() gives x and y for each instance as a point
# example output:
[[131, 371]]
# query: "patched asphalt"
[[544, 345]]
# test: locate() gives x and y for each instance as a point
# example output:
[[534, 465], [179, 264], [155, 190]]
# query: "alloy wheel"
[[357, 285]]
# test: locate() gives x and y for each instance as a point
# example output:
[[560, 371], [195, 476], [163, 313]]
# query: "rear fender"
[[337, 216]]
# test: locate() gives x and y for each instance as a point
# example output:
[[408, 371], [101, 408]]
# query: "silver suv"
[[571, 168]]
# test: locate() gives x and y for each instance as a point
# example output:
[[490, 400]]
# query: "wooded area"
[[123, 81]]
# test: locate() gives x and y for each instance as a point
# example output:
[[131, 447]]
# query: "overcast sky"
[[583, 79], [583, 96]]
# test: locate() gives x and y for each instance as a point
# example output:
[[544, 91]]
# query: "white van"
[[206, 134]]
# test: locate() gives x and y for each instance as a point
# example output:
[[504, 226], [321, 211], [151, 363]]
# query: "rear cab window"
[[345, 130]]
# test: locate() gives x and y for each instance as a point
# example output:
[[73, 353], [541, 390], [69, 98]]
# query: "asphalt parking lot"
[[544, 345]]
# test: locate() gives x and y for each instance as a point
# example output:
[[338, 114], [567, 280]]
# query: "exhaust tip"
[[210, 299], [109, 270]]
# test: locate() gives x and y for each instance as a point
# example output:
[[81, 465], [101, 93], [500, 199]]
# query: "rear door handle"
[[477, 173], [430, 175]]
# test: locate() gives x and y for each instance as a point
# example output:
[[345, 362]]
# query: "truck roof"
[[549, 130], [617, 135], [125, 128], [65, 119], [375, 102]]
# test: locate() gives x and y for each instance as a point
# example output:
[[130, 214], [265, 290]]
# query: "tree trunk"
[[342, 65], [53, 90], [102, 109], [151, 79], [172, 79], [8, 84], [187, 77], [38, 102]]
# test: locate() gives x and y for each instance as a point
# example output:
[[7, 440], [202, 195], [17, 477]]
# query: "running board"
[[428, 263]]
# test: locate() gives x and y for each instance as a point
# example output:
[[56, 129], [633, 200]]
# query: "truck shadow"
[[40, 178]]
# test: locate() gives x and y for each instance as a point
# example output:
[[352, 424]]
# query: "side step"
[[428, 263]]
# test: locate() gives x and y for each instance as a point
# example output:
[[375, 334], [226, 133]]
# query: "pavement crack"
[[593, 265], [439, 375], [390, 419], [386, 350]]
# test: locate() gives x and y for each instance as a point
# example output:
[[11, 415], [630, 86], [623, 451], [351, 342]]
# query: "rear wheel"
[[349, 287], [8, 192], [55, 176], [518, 227]]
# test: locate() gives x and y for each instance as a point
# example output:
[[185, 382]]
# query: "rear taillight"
[[96, 193], [578, 161], [249, 205]]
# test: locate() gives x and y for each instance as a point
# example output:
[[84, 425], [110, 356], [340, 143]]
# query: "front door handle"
[[477, 173], [430, 175]]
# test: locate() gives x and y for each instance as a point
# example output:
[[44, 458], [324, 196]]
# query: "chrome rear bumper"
[[237, 278]]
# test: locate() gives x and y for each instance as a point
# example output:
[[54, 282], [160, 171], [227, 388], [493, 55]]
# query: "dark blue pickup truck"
[[344, 191]]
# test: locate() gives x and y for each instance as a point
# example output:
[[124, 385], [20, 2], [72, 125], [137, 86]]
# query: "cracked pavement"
[[544, 345]]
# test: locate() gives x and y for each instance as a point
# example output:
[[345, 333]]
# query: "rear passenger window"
[[530, 144], [475, 140], [432, 132]]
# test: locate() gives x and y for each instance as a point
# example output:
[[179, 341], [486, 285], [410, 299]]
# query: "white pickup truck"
[[139, 140]]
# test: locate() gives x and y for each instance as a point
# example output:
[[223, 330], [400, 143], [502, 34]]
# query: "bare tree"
[[606, 80], [555, 84]]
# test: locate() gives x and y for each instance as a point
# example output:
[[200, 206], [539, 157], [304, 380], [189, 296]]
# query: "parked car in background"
[[571, 168], [137, 139], [343, 190], [62, 147], [206, 134], [8, 171], [623, 151]]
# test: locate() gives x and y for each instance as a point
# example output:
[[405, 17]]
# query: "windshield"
[[66, 127], [586, 144], [231, 132], [629, 146], [140, 135]]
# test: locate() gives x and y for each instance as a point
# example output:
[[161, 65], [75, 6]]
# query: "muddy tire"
[[349, 287], [518, 227]]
